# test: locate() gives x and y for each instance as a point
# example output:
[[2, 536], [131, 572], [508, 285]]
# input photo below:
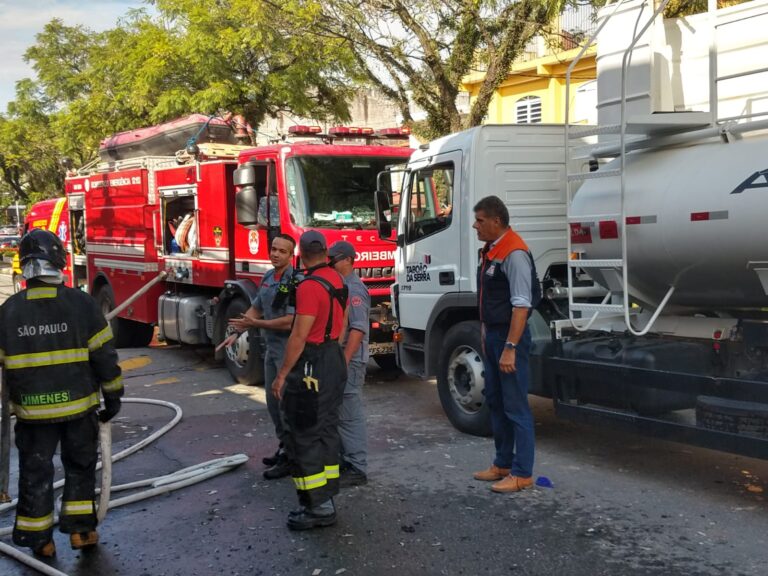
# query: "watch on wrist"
[[510, 345]]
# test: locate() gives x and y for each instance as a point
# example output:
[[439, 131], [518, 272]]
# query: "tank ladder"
[[617, 301]]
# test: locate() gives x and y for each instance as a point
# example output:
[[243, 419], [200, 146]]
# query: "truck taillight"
[[301, 130], [580, 233], [397, 336]]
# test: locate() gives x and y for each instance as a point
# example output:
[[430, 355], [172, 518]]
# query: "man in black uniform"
[[57, 350]]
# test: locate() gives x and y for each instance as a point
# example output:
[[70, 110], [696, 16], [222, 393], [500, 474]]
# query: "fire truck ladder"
[[617, 301]]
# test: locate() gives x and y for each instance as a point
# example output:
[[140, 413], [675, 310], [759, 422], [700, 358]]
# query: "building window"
[[528, 110]]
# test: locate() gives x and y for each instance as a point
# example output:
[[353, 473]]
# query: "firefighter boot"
[[281, 469], [47, 550], [81, 540], [316, 517]]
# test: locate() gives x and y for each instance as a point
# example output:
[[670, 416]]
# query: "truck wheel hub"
[[238, 352], [465, 379]]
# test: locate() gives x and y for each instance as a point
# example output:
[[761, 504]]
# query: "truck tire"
[[243, 359], [16, 283], [135, 334], [734, 416], [460, 380], [127, 333]]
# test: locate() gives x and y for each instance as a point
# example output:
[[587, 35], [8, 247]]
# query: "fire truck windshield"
[[334, 191]]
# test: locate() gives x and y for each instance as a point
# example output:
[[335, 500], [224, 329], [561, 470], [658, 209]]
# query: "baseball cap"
[[312, 240], [341, 249]]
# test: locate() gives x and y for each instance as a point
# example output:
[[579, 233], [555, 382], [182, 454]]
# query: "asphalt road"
[[620, 504]]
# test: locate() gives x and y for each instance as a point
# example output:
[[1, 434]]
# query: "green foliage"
[[419, 51]]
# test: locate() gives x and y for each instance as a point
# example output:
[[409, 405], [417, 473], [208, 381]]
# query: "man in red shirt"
[[310, 386]]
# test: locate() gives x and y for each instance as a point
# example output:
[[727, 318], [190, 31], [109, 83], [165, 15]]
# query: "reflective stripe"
[[34, 524], [311, 482], [113, 385], [50, 411], [332, 472], [54, 223], [39, 293], [101, 337], [76, 507], [51, 358]]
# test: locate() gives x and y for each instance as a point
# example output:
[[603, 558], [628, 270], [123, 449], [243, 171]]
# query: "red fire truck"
[[205, 216]]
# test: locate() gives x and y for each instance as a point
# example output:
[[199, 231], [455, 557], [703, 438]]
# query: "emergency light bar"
[[349, 131], [301, 130], [394, 133]]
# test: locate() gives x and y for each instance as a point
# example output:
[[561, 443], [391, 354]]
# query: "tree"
[[28, 154], [191, 56], [421, 50]]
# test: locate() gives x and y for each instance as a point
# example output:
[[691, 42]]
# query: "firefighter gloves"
[[111, 408]]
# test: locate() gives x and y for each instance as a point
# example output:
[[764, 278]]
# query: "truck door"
[[429, 232]]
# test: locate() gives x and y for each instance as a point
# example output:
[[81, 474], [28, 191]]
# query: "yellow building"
[[534, 91]]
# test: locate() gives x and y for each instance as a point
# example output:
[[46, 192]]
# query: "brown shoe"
[[81, 540], [512, 484], [491, 474], [47, 550]]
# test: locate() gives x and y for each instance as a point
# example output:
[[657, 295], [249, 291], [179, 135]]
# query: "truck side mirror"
[[383, 214], [246, 206], [244, 176]]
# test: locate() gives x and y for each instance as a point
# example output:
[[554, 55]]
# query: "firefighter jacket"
[[57, 350]]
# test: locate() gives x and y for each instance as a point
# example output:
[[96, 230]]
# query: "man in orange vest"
[[508, 290]]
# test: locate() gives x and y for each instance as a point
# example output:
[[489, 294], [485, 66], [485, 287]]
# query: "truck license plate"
[[377, 348]]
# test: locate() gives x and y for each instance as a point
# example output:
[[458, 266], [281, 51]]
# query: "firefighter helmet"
[[43, 245]]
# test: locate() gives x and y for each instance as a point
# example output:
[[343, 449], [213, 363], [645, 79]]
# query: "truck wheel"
[[105, 299], [127, 333], [135, 334], [386, 361], [243, 359], [16, 283], [734, 416], [460, 380]]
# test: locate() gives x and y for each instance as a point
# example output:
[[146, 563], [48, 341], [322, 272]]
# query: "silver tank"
[[714, 263]]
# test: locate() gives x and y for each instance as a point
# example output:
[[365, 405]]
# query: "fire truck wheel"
[[460, 380], [16, 283], [243, 359], [127, 333], [135, 334]]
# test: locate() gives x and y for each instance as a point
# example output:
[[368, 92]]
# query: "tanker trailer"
[[697, 254]]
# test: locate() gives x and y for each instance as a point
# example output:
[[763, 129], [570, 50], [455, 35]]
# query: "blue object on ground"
[[544, 482]]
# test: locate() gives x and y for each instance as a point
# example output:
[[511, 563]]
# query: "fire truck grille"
[[376, 285]]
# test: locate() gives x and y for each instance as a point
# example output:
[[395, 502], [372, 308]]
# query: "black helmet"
[[44, 245]]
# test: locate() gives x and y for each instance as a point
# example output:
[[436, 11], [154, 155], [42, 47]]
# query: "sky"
[[21, 20]]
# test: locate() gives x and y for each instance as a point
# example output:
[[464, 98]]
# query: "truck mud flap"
[[569, 379]]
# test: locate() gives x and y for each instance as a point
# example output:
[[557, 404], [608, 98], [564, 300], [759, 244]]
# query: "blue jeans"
[[507, 397], [273, 359]]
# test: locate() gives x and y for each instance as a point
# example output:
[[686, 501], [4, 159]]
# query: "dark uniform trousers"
[[311, 401], [37, 444]]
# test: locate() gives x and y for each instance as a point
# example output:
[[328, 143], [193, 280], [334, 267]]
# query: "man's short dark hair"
[[493, 207], [288, 237]]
